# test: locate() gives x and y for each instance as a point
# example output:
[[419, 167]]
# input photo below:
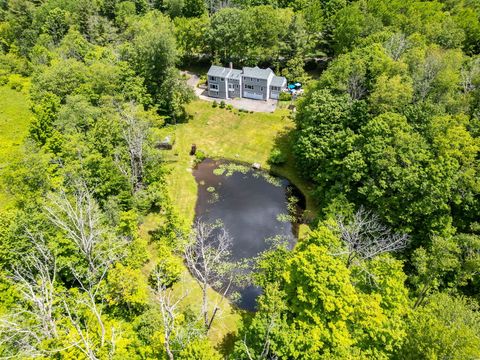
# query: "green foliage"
[[392, 124], [277, 157], [285, 96], [168, 265], [200, 156], [199, 350], [444, 326], [319, 308], [126, 289]]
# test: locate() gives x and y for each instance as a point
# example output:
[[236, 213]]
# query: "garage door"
[[252, 95], [274, 95]]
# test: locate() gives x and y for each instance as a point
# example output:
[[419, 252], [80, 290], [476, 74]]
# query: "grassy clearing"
[[15, 117]]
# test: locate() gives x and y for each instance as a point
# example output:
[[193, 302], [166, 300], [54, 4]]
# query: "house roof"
[[235, 74], [257, 73], [218, 71], [278, 81]]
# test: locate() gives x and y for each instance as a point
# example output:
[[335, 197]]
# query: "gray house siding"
[[234, 90], [217, 87], [252, 83], [254, 88]]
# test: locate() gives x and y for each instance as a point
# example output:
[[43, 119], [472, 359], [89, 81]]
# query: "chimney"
[[231, 65]]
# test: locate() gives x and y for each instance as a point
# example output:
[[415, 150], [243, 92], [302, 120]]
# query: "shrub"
[[284, 96], [229, 107], [277, 157], [169, 268], [222, 104], [214, 104], [199, 156], [16, 82]]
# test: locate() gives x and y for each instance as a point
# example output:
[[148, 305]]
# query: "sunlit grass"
[[15, 117]]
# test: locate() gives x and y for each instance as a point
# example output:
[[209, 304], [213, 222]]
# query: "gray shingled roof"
[[218, 71], [278, 81], [235, 74], [257, 73]]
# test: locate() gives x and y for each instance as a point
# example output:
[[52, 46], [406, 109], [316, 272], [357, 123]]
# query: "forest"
[[100, 257]]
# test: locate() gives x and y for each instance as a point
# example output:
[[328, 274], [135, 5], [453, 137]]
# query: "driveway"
[[242, 104]]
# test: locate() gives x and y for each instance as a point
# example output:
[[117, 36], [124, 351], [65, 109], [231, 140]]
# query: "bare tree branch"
[[365, 237], [207, 257], [135, 132]]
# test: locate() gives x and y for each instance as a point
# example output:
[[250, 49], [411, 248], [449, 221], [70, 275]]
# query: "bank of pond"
[[255, 207]]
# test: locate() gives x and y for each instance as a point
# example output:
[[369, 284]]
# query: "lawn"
[[15, 117]]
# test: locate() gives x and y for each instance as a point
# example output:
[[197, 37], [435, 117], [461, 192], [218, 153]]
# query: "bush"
[[222, 104], [285, 96], [202, 80], [229, 107], [277, 157], [199, 156], [169, 268], [214, 104]]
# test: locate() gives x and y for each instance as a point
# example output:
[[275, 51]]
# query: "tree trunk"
[[205, 305]]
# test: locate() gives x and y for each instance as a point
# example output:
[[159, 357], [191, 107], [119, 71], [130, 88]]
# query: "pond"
[[252, 205]]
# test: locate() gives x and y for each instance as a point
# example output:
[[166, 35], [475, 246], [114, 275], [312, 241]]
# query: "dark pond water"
[[252, 205]]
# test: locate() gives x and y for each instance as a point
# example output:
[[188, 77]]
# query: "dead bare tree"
[[366, 237], [396, 45], [89, 302], [207, 257], [33, 321], [469, 72], [80, 218], [424, 79], [135, 133], [168, 308], [356, 84]]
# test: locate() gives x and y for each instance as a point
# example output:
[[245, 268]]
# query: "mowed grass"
[[15, 118]]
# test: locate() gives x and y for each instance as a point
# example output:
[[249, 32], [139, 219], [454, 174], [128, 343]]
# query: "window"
[[237, 86], [230, 87], [214, 87], [258, 80], [212, 78], [250, 87], [261, 89], [275, 88]]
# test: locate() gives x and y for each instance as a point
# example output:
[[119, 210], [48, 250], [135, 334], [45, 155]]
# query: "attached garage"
[[274, 95], [252, 95]]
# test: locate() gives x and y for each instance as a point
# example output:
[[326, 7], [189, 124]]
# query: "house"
[[251, 83]]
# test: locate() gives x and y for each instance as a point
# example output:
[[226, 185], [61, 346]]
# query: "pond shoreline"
[[256, 208]]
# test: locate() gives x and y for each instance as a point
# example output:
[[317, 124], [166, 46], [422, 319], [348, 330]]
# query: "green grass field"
[[15, 117]]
